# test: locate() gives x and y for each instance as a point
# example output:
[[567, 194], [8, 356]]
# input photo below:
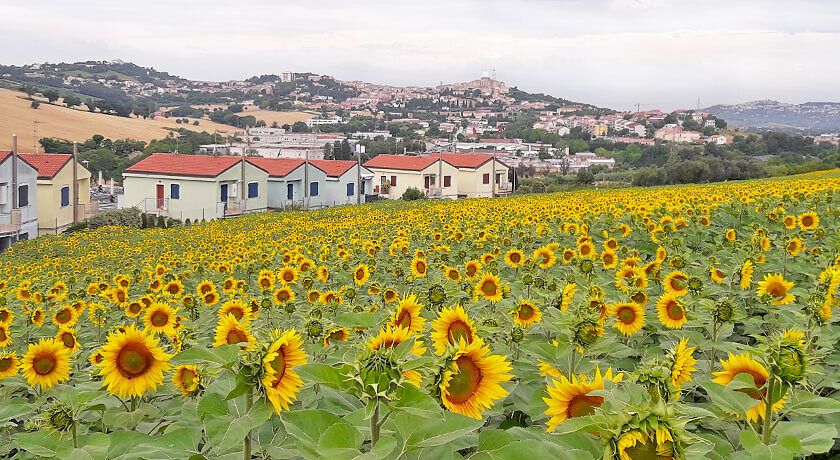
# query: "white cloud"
[[608, 52]]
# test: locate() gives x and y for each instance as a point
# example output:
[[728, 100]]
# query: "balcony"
[[10, 222], [156, 206], [434, 192], [504, 188]]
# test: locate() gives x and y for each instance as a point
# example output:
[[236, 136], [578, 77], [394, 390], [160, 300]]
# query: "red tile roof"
[[333, 168], [173, 164], [276, 167], [464, 160], [47, 164], [402, 162], [4, 154]]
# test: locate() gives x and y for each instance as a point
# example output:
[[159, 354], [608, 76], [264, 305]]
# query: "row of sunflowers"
[[676, 322]]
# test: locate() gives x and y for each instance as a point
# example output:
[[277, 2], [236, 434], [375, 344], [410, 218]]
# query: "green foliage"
[[128, 217], [413, 193]]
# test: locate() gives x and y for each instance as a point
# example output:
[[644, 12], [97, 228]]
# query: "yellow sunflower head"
[[132, 363], [569, 399], [526, 313], [280, 381], [46, 363], [489, 287], [186, 379], [451, 326], [777, 289], [629, 317], [229, 331], [472, 381]]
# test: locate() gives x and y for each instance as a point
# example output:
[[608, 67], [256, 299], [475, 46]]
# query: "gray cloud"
[[612, 53]]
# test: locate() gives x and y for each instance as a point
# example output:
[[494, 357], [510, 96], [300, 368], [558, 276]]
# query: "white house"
[[18, 200], [394, 174], [195, 186], [329, 182], [479, 174]]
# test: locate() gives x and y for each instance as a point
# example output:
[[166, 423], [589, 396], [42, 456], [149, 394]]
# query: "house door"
[[290, 192], [224, 194], [427, 181], [159, 195]]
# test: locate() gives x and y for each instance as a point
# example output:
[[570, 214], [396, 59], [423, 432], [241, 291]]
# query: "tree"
[[300, 127], [585, 177], [72, 101], [565, 165], [35, 104], [29, 90], [412, 194], [235, 108], [51, 95], [543, 154]]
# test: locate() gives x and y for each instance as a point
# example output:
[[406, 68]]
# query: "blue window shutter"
[[253, 190], [65, 196], [351, 189], [313, 189], [175, 191]]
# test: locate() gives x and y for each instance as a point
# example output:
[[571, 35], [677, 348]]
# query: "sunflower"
[[514, 258], [174, 288], [544, 257], [547, 369], [323, 274], [808, 221], [794, 246], [716, 275], [5, 336], [229, 331], [744, 364], [730, 234], [746, 274], [451, 273], [777, 288], [609, 260], [526, 313], [160, 318], [683, 365], [211, 298], [472, 381], [205, 287], [67, 337], [569, 399], [266, 280], [630, 277], [37, 316], [789, 222], [676, 283], [568, 296], [134, 308], [392, 336], [408, 315], [451, 326], [280, 381], [65, 316], [568, 256], [489, 287], [313, 296], [46, 363], [336, 334], [390, 295], [361, 274], [186, 379], [9, 364], [671, 311], [236, 307], [6, 315], [287, 275], [472, 269], [133, 363], [586, 250], [419, 267], [636, 445], [284, 295], [630, 317]]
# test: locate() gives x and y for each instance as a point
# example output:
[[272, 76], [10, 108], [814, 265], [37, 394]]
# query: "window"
[[65, 196], [23, 195], [447, 181], [313, 189], [253, 189], [351, 189], [382, 180], [485, 178], [23, 237], [394, 181], [175, 191], [290, 191]]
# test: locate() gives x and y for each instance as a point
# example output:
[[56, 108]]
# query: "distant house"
[[18, 200], [394, 174], [328, 182], [58, 199], [195, 186], [479, 174], [674, 133]]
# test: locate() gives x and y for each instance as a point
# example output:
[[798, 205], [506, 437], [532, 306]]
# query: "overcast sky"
[[613, 53]]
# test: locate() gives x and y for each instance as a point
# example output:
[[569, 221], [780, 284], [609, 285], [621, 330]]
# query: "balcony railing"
[[157, 206], [433, 192], [10, 222], [505, 187]]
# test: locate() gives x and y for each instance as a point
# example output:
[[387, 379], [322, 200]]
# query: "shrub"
[[412, 194], [129, 217]]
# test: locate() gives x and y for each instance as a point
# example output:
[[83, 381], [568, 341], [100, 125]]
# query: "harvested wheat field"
[[17, 117]]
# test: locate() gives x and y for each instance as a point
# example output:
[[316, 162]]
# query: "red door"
[[160, 200]]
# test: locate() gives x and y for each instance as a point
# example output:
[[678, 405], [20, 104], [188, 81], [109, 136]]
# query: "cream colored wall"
[[470, 181], [198, 198], [252, 174], [405, 179], [444, 170], [52, 217]]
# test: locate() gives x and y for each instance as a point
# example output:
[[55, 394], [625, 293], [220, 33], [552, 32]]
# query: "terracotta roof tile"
[[172, 164], [333, 168], [276, 167], [402, 162], [47, 164]]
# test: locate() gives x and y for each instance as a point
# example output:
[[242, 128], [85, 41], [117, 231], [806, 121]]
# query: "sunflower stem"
[[767, 429], [374, 424], [133, 404], [249, 401], [73, 431]]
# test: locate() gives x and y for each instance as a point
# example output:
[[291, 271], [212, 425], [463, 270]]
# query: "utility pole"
[[493, 178], [14, 172], [359, 175], [75, 183], [306, 180], [248, 144]]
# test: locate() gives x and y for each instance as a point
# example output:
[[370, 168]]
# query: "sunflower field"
[[659, 323]]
